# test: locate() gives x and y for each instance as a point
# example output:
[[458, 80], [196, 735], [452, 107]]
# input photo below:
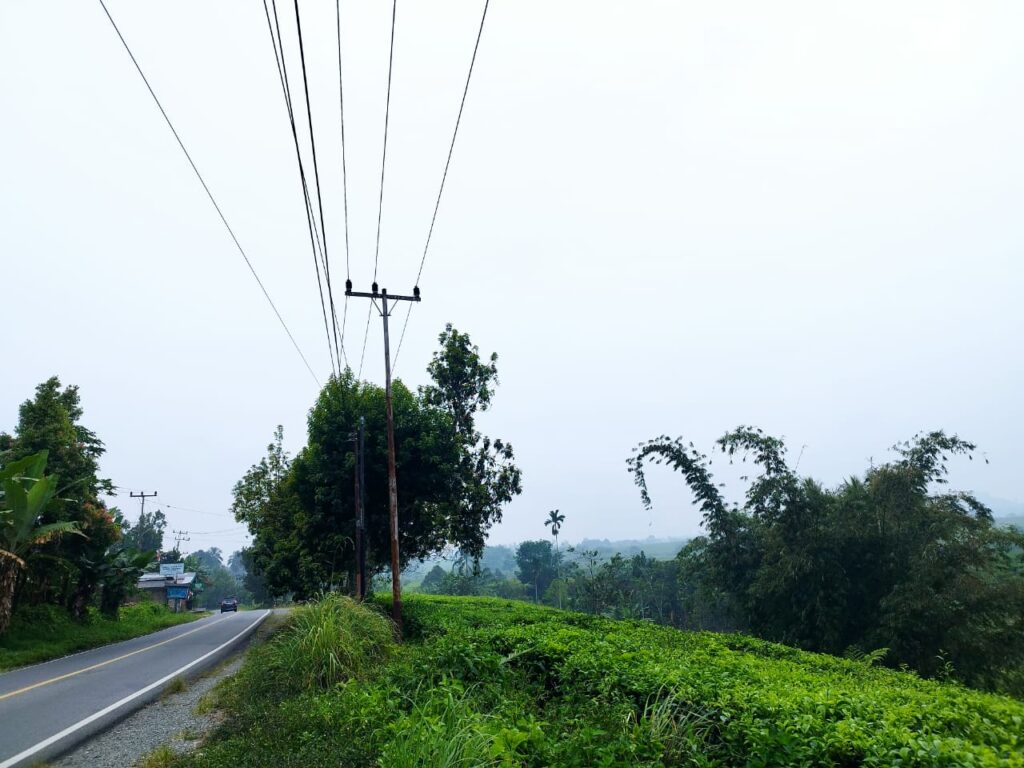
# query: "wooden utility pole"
[[180, 536], [396, 586], [142, 495], [362, 504], [359, 443]]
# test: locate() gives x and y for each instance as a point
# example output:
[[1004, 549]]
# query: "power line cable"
[[384, 154], [444, 176], [208, 192], [366, 335], [318, 246], [316, 176], [197, 511], [383, 164], [320, 243], [344, 175], [313, 237], [240, 529]]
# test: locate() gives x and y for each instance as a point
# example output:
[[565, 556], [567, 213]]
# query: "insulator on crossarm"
[[348, 286], [375, 287], [416, 291]]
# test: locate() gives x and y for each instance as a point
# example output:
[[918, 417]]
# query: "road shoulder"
[[102, 719], [171, 721], [176, 720]]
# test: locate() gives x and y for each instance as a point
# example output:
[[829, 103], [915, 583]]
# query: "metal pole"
[[361, 520], [396, 586]]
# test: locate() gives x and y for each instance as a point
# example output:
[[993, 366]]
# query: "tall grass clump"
[[440, 731], [322, 644], [336, 639]]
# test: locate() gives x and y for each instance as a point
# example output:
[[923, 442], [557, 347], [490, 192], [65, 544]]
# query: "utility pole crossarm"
[[382, 294], [143, 496]]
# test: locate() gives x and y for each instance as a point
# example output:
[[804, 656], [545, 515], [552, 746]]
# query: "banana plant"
[[25, 493], [119, 572]]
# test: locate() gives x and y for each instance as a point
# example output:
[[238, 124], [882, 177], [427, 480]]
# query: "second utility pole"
[[396, 585], [359, 444]]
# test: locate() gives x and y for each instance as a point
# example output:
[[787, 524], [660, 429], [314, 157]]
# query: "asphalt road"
[[48, 708]]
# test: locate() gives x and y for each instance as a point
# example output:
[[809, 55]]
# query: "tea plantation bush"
[[488, 682]]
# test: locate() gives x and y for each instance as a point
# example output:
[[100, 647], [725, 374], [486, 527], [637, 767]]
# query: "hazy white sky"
[[666, 217]]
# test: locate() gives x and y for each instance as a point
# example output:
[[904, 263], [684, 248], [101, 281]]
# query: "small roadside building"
[[176, 591]]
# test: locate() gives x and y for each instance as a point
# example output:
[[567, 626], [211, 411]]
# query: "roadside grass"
[[484, 682], [41, 633], [214, 699], [177, 685], [161, 757]]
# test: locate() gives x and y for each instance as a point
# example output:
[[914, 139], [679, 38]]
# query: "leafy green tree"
[[26, 494], [119, 572], [65, 571], [431, 583], [147, 534], [171, 556], [485, 477], [453, 481], [536, 566], [236, 564], [51, 421], [318, 513], [218, 581], [253, 584], [209, 558]]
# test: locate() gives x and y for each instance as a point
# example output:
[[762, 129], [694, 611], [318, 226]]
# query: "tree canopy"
[[452, 480]]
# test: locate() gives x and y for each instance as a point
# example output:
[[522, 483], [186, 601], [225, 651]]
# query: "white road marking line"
[[12, 761]]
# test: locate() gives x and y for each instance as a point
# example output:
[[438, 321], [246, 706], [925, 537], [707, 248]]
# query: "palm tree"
[[25, 493], [555, 520]]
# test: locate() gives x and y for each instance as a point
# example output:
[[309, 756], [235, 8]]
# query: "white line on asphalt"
[[12, 761]]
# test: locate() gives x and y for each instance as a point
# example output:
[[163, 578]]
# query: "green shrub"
[[441, 731]]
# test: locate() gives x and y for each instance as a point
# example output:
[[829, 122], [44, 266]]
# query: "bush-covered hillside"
[[491, 682]]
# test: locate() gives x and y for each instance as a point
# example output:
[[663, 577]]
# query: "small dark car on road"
[[229, 604]]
